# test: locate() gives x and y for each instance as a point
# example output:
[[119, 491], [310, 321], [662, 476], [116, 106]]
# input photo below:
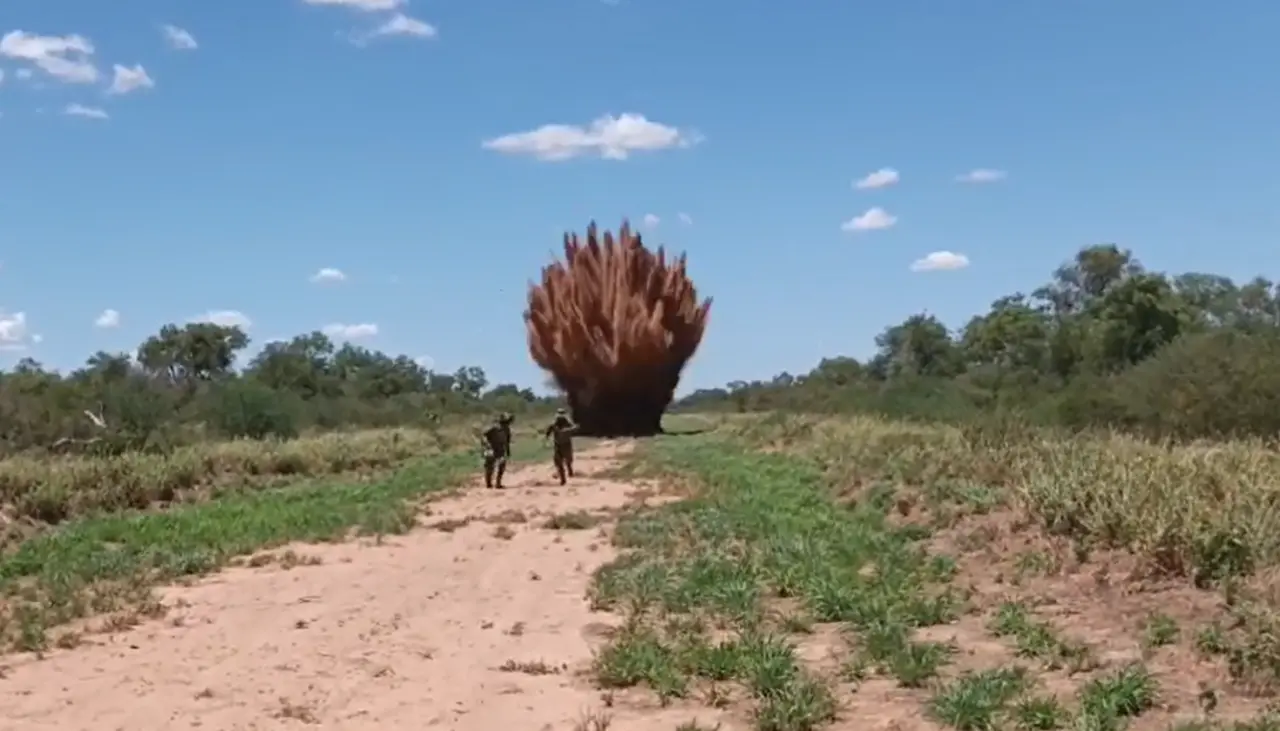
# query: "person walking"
[[495, 445], [561, 432]]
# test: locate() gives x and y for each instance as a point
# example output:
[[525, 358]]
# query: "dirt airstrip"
[[476, 620]]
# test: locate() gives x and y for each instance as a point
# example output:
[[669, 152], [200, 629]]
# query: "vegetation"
[[1105, 342], [342, 435], [39, 491], [924, 558], [176, 422], [108, 562], [181, 387], [1200, 511], [1060, 518]]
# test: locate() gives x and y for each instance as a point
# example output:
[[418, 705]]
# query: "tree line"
[[1105, 342], [182, 385]]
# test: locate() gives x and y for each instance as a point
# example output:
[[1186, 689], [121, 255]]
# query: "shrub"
[[1214, 384], [246, 408]]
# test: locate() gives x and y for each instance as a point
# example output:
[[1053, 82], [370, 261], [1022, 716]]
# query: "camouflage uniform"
[[496, 446], [561, 430]]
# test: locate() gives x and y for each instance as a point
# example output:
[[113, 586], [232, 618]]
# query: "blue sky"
[[299, 135]]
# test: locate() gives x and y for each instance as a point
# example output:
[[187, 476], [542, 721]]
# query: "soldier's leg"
[[502, 470], [559, 462], [568, 457], [489, 462]]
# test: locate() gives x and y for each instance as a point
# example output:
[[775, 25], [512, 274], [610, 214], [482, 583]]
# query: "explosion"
[[615, 324]]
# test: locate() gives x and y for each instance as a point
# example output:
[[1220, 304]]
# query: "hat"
[[506, 417], [561, 412]]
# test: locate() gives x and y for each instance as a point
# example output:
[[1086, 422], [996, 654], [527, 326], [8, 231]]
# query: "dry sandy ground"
[[409, 634]]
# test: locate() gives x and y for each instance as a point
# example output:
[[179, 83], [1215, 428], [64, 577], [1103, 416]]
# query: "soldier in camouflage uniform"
[[495, 444], [561, 431]]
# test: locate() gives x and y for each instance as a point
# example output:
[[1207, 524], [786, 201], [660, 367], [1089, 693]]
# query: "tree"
[[1103, 342], [199, 351], [184, 383], [838, 371], [103, 367], [1212, 300], [1134, 319], [1093, 271], [1013, 335], [470, 381], [920, 345], [1258, 306]]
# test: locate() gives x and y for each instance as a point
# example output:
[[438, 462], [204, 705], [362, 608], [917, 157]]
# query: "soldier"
[[561, 430], [495, 444]]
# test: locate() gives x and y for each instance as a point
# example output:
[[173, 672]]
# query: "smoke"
[[614, 324]]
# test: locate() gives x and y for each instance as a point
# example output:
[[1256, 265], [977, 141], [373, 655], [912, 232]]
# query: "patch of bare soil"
[[483, 625]]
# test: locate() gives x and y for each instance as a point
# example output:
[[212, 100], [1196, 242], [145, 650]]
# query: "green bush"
[[246, 408], [1213, 384]]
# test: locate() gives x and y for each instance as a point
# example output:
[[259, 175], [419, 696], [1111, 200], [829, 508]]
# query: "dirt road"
[[476, 620]]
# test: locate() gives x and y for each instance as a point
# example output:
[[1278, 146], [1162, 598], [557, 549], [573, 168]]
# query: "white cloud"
[[873, 220], [66, 58], [328, 274], [425, 361], [881, 178], [982, 175], [940, 261], [350, 332], [225, 318], [179, 39], [130, 79], [37, 339], [80, 110], [362, 5], [403, 25], [651, 221], [609, 137], [685, 218], [108, 318], [13, 331]]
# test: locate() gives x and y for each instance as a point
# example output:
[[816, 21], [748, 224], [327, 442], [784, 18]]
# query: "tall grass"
[[1207, 511], [49, 490]]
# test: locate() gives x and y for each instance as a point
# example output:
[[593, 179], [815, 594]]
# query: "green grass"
[[1106, 702], [1159, 630], [762, 529], [1039, 640], [111, 561], [997, 699], [1040, 713], [977, 701]]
